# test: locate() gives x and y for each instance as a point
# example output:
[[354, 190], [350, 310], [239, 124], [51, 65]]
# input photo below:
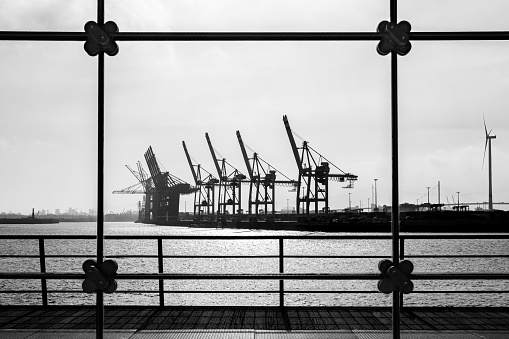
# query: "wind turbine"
[[488, 144]]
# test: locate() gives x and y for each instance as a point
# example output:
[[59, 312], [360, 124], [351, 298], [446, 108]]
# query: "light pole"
[[428, 197], [458, 201], [376, 198]]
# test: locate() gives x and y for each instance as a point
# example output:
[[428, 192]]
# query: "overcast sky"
[[335, 94]]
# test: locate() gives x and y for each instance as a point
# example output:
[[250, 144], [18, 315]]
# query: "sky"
[[336, 96]]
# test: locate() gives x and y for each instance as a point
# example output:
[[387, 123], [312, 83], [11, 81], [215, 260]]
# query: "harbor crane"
[[229, 184], [144, 186], [314, 176], [168, 187], [262, 182], [205, 184]]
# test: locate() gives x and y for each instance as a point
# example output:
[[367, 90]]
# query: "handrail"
[[281, 276], [379, 236], [257, 276]]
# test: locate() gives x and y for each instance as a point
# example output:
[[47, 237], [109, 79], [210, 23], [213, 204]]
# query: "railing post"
[[42, 259], [281, 270], [161, 270], [401, 258]]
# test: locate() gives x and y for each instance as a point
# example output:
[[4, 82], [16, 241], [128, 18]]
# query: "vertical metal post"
[[401, 257], [161, 270], [100, 175], [42, 259], [281, 270], [395, 177]]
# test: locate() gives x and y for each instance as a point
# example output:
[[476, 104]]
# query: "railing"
[[280, 276]]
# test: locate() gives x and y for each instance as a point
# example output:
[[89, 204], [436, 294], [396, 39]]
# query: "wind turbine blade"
[[485, 129], [485, 145]]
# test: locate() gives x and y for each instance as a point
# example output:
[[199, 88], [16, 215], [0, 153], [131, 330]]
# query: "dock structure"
[[162, 190]]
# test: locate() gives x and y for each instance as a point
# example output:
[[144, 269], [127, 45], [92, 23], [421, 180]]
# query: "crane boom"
[[190, 163], [293, 144], [218, 169], [244, 154], [133, 172]]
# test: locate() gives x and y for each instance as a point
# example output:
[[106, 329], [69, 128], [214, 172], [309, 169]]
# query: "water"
[[249, 265]]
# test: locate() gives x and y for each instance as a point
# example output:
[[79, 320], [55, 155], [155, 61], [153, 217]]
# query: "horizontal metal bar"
[[477, 35], [248, 237], [254, 256], [43, 36], [37, 275], [267, 237], [195, 36], [272, 291], [196, 256], [255, 276], [251, 36], [261, 291], [338, 256], [459, 276], [46, 256], [47, 236], [246, 36], [472, 236], [313, 237], [457, 256], [463, 292], [193, 276]]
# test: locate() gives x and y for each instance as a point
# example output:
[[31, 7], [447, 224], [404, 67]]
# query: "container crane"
[[229, 184], [144, 182], [205, 188], [314, 176], [262, 182], [144, 186], [168, 187]]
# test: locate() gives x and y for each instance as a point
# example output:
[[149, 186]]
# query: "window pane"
[[454, 15], [49, 127], [46, 15], [160, 94], [246, 15]]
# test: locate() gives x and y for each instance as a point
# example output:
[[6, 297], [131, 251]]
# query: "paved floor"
[[251, 322], [246, 334]]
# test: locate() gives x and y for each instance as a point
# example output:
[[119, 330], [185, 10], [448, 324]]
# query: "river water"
[[248, 265]]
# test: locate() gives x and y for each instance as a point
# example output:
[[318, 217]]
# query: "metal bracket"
[[99, 39], [395, 278], [100, 276], [395, 38]]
